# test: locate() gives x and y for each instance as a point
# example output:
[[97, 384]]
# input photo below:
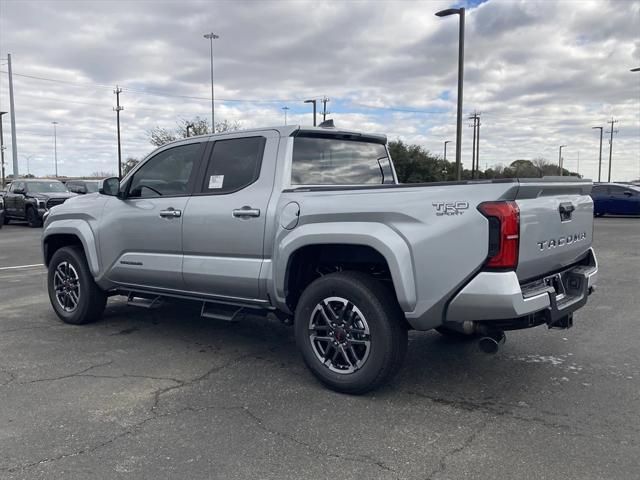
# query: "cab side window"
[[167, 173], [234, 165], [599, 190]]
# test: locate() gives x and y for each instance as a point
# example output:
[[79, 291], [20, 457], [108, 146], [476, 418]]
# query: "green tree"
[[129, 164], [414, 164]]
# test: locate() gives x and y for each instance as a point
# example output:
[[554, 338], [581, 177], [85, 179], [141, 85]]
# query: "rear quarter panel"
[[442, 250]]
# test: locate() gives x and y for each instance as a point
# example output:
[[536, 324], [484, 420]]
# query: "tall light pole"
[[14, 141], [212, 36], [612, 131], [446, 13], [314, 110], [118, 108], [55, 146], [285, 108], [600, 156], [560, 158], [2, 148], [445, 149]]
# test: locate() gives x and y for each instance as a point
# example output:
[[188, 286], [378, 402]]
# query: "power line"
[[152, 92], [227, 100]]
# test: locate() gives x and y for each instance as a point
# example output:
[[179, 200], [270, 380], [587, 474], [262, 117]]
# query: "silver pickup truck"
[[311, 225]]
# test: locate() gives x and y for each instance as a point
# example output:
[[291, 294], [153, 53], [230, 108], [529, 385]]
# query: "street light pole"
[[314, 110], [460, 12], [2, 149], [55, 146], [445, 149], [612, 122], [600, 156], [285, 108], [211, 37], [560, 158]]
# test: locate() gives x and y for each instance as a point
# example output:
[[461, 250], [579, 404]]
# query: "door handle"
[[246, 212], [170, 213]]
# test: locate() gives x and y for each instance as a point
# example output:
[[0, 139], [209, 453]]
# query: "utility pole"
[[2, 149], [55, 146], [324, 101], [460, 13], [211, 37], [600, 156], [445, 149], [117, 109], [28, 158], [285, 108], [314, 110], [560, 158], [14, 142], [612, 131], [578, 171], [473, 117], [478, 148]]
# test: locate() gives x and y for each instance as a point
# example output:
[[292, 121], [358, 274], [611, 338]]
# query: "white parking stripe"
[[22, 266]]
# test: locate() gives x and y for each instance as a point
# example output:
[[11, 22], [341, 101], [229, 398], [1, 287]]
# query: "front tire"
[[32, 217], [74, 295], [350, 331]]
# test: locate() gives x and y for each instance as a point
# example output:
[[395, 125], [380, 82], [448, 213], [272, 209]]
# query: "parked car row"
[[615, 199], [28, 199]]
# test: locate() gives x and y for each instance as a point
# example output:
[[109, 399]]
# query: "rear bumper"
[[500, 296]]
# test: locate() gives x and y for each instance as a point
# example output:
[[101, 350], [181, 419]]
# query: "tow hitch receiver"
[[562, 323]]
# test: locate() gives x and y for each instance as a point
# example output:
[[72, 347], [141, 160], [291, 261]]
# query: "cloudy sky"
[[541, 73]]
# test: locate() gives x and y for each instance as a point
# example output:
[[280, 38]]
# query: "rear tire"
[[368, 340], [73, 293], [32, 217]]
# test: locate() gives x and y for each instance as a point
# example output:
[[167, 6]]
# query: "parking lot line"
[[23, 266]]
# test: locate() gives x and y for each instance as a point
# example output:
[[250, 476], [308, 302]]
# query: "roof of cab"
[[292, 130]]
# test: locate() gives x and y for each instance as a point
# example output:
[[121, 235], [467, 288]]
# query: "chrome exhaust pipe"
[[491, 344]]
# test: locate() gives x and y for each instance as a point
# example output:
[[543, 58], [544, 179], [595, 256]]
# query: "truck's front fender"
[[378, 236], [80, 229]]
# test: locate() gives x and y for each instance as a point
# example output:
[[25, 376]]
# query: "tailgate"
[[556, 225]]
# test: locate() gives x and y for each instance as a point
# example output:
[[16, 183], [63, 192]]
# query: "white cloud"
[[542, 73]]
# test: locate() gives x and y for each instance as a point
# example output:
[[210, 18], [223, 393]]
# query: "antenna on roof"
[[327, 124]]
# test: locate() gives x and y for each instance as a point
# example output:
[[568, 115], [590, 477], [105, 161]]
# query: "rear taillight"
[[504, 233]]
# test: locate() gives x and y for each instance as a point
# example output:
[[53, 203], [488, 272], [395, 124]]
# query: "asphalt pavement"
[[166, 394]]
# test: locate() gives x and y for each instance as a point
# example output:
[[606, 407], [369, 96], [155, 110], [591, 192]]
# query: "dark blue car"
[[616, 199]]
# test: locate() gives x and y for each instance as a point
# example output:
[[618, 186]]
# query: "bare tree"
[[102, 174], [159, 136]]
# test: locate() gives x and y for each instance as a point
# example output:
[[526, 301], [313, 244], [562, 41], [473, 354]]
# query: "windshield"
[[92, 187], [46, 187]]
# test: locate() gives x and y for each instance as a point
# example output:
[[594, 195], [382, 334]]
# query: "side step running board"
[[220, 311], [143, 302]]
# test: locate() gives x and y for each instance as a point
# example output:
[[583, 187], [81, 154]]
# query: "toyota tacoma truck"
[[311, 225], [29, 199]]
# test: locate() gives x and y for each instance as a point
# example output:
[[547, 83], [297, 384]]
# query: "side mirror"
[[110, 186], [627, 193]]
